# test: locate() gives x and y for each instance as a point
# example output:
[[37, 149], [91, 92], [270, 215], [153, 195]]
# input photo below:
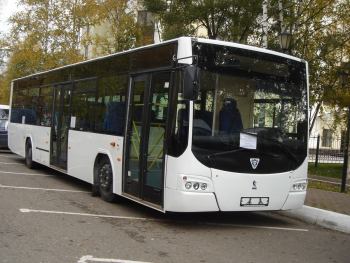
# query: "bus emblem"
[[254, 162], [254, 185]]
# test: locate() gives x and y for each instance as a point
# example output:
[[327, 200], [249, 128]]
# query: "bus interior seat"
[[230, 120]]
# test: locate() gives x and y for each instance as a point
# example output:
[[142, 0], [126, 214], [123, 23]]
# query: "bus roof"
[[200, 40], [243, 46]]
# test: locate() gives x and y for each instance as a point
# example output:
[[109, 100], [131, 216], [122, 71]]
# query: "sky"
[[7, 8]]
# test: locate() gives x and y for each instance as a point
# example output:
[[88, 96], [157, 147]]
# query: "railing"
[[326, 151]]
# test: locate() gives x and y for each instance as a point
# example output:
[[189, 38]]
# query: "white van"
[[4, 117]]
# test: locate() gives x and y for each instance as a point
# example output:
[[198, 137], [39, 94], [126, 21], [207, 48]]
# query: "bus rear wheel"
[[105, 177], [29, 155]]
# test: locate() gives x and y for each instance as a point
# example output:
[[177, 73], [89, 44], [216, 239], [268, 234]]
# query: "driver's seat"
[[230, 120]]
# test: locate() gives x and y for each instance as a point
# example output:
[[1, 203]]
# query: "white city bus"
[[186, 125]]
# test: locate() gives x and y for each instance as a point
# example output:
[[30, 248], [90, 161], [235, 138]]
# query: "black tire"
[[29, 155], [95, 190], [105, 180]]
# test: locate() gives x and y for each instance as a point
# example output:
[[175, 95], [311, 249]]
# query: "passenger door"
[[60, 125], [144, 162]]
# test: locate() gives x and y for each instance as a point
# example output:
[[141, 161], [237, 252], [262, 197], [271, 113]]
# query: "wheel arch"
[[29, 138], [99, 156], [107, 195]]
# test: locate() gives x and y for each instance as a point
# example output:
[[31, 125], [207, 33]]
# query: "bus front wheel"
[[105, 177], [29, 155]]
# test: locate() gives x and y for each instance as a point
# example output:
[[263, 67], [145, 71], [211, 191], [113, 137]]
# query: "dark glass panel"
[[179, 118], [250, 105], [110, 105], [83, 105]]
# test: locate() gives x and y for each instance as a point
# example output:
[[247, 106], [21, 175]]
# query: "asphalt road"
[[39, 222]]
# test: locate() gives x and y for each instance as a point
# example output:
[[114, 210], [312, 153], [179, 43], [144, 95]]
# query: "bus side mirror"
[[190, 81]]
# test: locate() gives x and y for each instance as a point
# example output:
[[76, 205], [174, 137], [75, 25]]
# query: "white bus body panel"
[[176, 198], [230, 187], [40, 139], [83, 148], [227, 188], [16, 138]]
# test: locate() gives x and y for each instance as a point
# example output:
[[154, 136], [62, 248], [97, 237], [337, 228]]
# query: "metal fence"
[[326, 150]]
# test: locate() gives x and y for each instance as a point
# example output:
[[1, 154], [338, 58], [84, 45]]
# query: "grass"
[[330, 170], [325, 186], [333, 170]]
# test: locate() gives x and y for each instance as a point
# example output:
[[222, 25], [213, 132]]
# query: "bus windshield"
[[250, 115]]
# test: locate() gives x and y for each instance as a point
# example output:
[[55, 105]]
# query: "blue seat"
[[230, 120], [115, 118]]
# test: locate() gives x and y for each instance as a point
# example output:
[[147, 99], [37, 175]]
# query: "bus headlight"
[[188, 185], [195, 184], [299, 186], [204, 186]]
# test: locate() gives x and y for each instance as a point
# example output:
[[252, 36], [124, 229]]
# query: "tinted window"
[[44, 107], [32, 103], [83, 105], [24, 103], [250, 105], [179, 116], [110, 105], [153, 57]]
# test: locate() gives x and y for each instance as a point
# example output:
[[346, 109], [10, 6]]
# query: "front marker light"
[[192, 184], [188, 185], [299, 186], [196, 186]]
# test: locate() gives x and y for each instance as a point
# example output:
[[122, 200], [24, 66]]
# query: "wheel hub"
[[105, 177]]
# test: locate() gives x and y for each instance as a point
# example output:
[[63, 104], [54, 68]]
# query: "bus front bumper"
[[294, 200], [182, 201]]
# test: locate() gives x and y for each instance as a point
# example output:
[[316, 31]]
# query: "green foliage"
[[115, 28], [232, 20], [326, 187], [333, 170], [43, 36], [321, 36], [48, 34], [320, 33]]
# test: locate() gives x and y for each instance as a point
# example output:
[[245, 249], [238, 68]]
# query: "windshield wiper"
[[224, 153]]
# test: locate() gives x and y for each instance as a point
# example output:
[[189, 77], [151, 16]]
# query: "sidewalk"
[[325, 208], [331, 201]]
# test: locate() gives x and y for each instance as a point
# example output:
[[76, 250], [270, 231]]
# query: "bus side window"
[[45, 106], [83, 104], [114, 118], [110, 106]]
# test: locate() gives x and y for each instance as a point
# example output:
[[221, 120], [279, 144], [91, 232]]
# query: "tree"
[[48, 34], [232, 20], [114, 28], [321, 36], [43, 36]]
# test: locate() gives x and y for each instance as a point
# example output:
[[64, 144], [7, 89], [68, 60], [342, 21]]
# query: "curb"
[[324, 218]]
